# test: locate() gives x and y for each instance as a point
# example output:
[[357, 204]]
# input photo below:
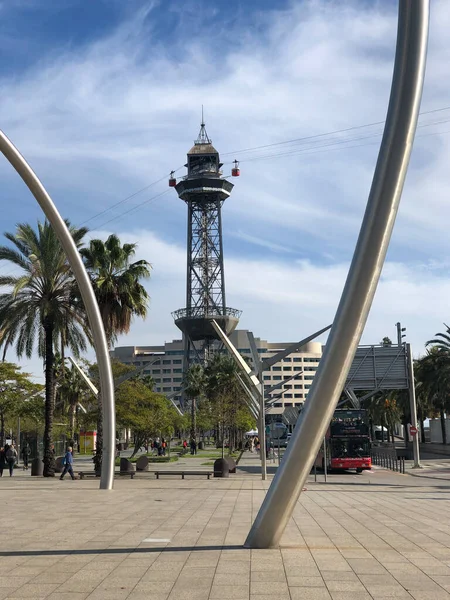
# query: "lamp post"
[[98, 333]]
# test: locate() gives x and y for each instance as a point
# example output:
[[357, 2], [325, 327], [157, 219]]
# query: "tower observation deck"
[[204, 191]]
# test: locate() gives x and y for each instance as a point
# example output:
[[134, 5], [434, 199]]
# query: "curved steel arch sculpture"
[[98, 333], [362, 279]]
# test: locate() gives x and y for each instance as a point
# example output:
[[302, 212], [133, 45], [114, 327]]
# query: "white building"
[[167, 369]]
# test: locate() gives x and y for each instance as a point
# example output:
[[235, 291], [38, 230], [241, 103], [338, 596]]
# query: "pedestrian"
[[185, 445], [2, 460], [164, 446], [252, 445], [68, 464], [11, 457], [193, 446], [26, 451]]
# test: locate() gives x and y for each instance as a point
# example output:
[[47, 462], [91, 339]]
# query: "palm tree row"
[[42, 309]]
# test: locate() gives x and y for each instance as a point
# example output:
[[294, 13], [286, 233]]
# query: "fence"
[[388, 458]]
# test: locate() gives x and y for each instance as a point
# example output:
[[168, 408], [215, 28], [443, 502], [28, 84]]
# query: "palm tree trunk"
[[422, 431], [444, 433], [73, 410], [2, 429], [193, 419], [99, 445], [49, 457]]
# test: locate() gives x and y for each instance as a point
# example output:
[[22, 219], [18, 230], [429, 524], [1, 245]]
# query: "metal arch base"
[[362, 280], [101, 347]]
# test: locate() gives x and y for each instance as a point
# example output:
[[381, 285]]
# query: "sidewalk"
[[377, 535]]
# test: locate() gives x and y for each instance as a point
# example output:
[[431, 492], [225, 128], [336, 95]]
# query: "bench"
[[132, 474], [182, 473]]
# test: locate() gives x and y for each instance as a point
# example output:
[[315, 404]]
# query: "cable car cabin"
[[235, 171], [172, 180]]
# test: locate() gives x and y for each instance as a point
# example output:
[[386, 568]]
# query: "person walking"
[[68, 464], [11, 457], [26, 451]]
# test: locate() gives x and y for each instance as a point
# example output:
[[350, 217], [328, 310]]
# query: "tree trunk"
[[444, 433], [73, 410], [49, 456], [2, 429], [422, 430], [98, 457], [193, 419]]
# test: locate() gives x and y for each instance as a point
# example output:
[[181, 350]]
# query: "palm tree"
[[120, 296], [434, 377], [38, 308], [70, 390]]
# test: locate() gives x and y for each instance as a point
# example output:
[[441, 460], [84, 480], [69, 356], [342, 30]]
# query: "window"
[[287, 359], [156, 372], [277, 377], [266, 377], [167, 380], [287, 377], [177, 361], [298, 404], [287, 368], [157, 362], [157, 380], [309, 377], [288, 395], [244, 350], [307, 387], [166, 370], [178, 370], [310, 369], [298, 395], [174, 352], [298, 369], [176, 389], [276, 368], [167, 389], [147, 371], [298, 386], [177, 379], [296, 359], [167, 362], [158, 389], [287, 386], [288, 403], [278, 404]]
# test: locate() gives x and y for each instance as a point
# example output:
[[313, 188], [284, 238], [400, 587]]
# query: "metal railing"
[[388, 458], [199, 313]]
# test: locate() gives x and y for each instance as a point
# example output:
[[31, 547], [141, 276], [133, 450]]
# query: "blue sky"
[[104, 98]]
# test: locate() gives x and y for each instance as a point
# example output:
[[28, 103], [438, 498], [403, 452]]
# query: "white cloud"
[[101, 121]]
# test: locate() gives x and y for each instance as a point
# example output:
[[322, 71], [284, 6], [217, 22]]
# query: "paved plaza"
[[376, 535]]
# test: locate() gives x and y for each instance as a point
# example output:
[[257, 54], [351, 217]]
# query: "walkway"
[[376, 535]]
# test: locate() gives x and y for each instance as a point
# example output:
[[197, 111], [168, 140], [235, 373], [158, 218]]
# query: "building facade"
[[165, 365]]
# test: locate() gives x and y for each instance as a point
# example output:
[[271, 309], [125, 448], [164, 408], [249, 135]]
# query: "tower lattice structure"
[[204, 190]]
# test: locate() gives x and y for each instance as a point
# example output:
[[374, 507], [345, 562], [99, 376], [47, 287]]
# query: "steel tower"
[[204, 191]]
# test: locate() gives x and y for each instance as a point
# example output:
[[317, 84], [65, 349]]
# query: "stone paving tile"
[[347, 540], [301, 593]]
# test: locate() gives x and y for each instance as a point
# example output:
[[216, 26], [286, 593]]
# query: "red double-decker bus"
[[347, 441]]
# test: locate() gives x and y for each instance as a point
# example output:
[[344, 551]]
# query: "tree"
[[70, 390], [120, 296], [39, 307], [15, 388], [433, 375], [194, 388], [226, 397]]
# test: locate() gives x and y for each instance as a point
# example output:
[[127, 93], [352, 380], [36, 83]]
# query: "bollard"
[[221, 468], [37, 467]]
